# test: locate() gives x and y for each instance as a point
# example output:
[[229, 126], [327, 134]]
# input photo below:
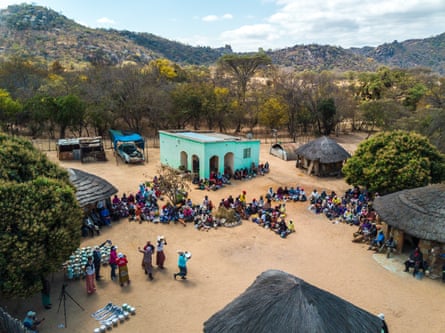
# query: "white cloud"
[[213, 18], [250, 37], [357, 23], [210, 18], [105, 21]]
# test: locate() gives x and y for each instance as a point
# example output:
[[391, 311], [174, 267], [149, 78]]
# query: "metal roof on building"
[[205, 136]]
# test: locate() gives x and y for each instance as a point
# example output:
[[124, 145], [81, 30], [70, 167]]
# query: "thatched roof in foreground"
[[419, 212], [323, 149], [280, 302], [90, 188]]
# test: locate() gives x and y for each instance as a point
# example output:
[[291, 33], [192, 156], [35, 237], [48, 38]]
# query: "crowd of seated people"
[[350, 208], [143, 206], [287, 194], [97, 217], [215, 181], [252, 171], [274, 220], [267, 215]]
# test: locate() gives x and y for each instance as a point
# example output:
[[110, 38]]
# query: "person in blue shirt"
[[183, 257], [378, 241], [31, 322]]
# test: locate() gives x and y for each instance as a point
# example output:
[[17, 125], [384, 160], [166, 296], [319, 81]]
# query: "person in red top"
[[123, 269], [113, 262]]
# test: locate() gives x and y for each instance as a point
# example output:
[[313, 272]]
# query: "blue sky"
[[269, 24]]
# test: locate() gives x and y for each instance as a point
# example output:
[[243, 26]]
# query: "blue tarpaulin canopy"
[[120, 136]]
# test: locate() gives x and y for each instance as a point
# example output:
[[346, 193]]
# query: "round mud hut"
[[322, 157], [416, 218], [90, 189], [280, 302]]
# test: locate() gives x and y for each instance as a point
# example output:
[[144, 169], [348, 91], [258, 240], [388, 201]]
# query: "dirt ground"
[[226, 261]]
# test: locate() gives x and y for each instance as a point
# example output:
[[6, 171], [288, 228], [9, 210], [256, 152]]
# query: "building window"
[[246, 153]]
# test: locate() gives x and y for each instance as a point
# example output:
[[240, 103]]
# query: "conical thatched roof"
[[90, 188], [323, 149], [280, 302], [419, 212]]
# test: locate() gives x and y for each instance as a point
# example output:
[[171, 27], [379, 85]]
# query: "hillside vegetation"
[[43, 33]]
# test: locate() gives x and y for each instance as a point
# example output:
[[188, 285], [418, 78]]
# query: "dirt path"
[[226, 261]]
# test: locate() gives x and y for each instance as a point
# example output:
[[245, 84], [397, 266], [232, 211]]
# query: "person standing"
[[160, 255], [113, 262], [148, 259], [152, 250], [46, 289], [183, 257], [90, 275], [97, 259], [123, 269]]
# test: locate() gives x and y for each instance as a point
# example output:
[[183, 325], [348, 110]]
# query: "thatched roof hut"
[[90, 188], [419, 212], [322, 156], [280, 302]]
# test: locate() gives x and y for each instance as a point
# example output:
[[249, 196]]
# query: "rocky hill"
[[428, 52], [41, 32]]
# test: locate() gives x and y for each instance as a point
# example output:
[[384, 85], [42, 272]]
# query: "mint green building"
[[203, 152]]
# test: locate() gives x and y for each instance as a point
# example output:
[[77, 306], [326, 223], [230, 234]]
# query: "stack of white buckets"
[[108, 325], [74, 266]]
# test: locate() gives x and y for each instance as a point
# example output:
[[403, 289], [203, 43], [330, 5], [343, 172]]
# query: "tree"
[[40, 112], [188, 103], [273, 113], [41, 219], [326, 111], [222, 107], [22, 76], [290, 87], [394, 161], [70, 114], [9, 111], [243, 68], [172, 185], [20, 162]]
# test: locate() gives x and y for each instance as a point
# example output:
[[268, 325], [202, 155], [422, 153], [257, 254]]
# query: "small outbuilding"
[[85, 149], [321, 157], [285, 151], [416, 218], [280, 302]]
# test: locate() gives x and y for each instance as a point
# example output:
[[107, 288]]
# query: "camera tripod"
[[63, 295]]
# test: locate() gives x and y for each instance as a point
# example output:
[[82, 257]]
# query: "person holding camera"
[[31, 322]]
